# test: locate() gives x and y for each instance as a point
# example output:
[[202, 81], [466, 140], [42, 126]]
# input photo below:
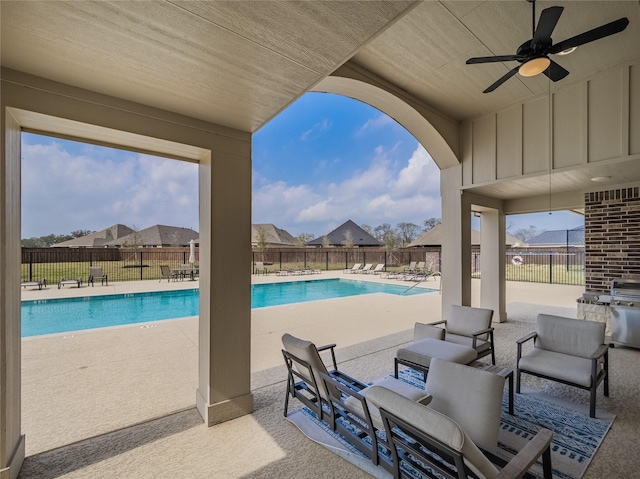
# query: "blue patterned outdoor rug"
[[576, 436]]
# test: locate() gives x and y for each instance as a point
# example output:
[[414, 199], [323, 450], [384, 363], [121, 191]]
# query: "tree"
[[387, 235], [525, 234], [81, 233], [261, 238], [348, 239], [304, 238], [325, 241], [367, 228], [430, 223], [133, 239], [407, 232], [49, 240]]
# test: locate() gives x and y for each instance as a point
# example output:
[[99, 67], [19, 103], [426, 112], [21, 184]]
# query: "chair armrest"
[[475, 335], [526, 338], [325, 347], [444, 321], [522, 461], [482, 331], [521, 341], [601, 351], [333, 353]]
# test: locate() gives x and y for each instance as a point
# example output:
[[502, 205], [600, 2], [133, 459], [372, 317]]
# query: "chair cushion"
[[574, 337], [565, 367], [433, 424], [470, 397], [421, 352], [465, 320], [308, 352], [400, 387]]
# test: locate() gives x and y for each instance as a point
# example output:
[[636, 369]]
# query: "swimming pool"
[[72, 314]]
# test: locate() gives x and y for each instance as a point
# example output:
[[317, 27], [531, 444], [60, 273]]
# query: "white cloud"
[[62, 192], [316, 130], [376, 123], [383, 193]]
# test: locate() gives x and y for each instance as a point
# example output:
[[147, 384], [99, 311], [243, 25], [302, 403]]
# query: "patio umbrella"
[[192, 252]]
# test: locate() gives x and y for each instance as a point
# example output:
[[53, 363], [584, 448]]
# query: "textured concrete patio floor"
[[84, 384]]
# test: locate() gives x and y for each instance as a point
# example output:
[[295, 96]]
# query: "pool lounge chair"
[[355, 269], [377, 270], [366, 269], [411, 268], [72, 281], [37, 282]]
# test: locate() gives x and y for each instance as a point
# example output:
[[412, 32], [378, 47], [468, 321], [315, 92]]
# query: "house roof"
[[274, 236], [337, 237], [573, 237], [433, 237], [158, 235], [97, 239]]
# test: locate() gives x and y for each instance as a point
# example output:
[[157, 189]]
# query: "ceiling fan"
[[534, 53]]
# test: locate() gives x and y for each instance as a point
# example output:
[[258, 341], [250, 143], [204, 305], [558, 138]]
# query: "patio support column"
[[224, 373], [11, 439], [492, 262], [456, 249]]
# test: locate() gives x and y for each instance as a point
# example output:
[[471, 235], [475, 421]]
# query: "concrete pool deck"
[[83, 384]]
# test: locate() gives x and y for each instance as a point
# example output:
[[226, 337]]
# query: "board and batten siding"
[[597, 120]]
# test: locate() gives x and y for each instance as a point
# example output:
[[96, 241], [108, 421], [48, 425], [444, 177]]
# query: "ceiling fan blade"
[[597, 33], [502, 58], [503, 79], [548, 21], [555, 72]]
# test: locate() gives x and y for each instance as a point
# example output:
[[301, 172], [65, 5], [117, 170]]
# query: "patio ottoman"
[[418, 354]]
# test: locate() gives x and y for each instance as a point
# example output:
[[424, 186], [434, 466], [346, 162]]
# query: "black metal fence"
[[331, 259], [119, 264], [553, 265]]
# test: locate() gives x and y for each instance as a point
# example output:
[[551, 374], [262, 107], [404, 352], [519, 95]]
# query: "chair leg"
[[395, 368], [546, 464], [286, 398], [592, 402], [606, 374], [518, 380]]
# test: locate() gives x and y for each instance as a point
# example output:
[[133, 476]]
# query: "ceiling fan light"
[[534, 67], [567, 51]]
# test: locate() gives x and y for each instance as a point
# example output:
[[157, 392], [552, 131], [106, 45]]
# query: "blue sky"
[[322, 161]]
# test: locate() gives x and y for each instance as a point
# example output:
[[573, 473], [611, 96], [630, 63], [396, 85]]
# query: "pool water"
[[73, 314]]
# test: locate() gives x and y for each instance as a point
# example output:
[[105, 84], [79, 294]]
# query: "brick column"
[[612, 237]]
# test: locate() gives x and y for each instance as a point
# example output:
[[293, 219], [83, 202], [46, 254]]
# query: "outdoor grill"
[[625, 312]]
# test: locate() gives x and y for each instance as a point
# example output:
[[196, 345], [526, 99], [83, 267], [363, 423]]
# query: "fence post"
[[550, 268], [305, 259], [30, 265], [326, 261], [346, 258], [141, 265], [281, 260]]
